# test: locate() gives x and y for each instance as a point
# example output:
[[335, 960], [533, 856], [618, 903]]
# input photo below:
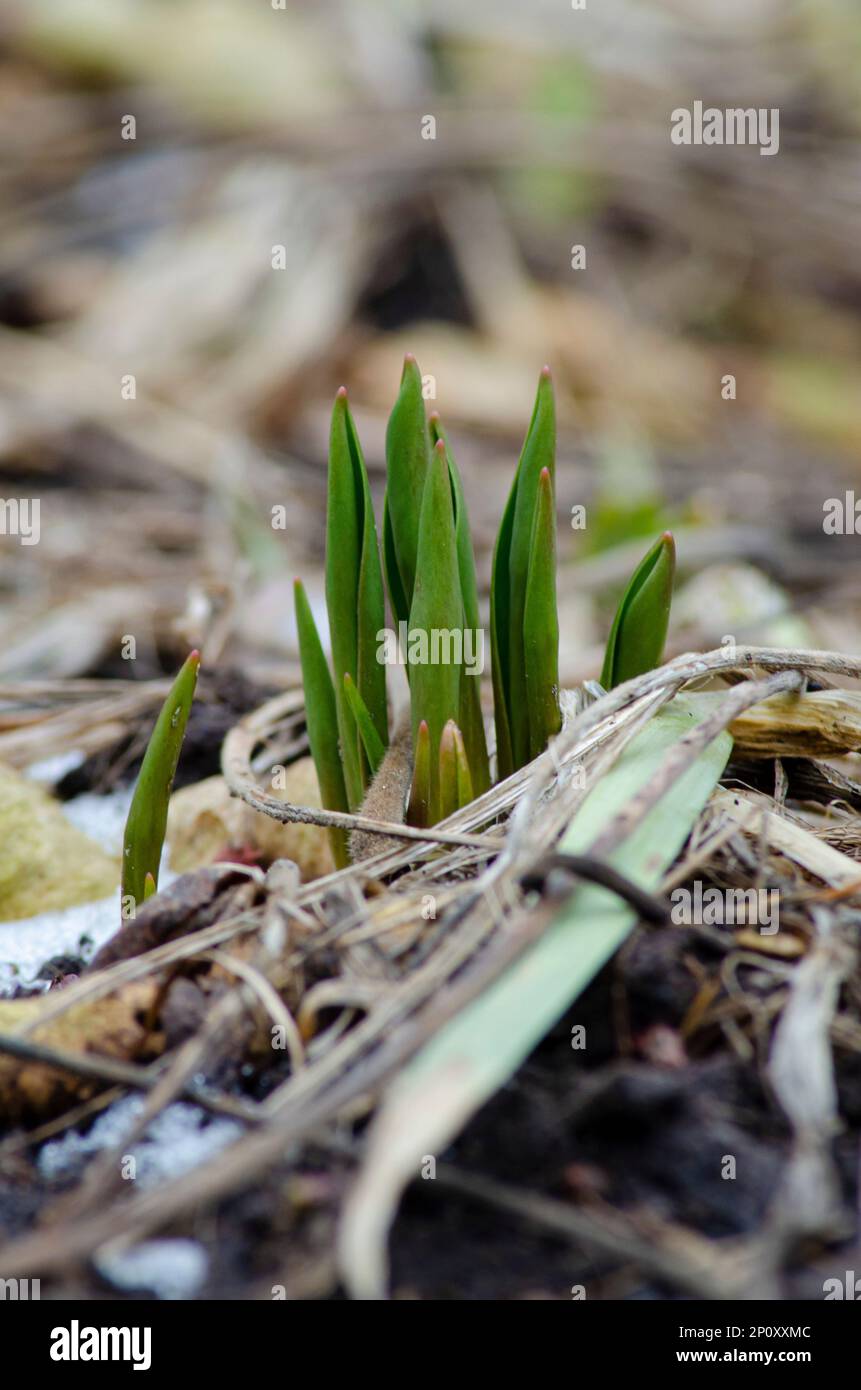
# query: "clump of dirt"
[[597, 1126]]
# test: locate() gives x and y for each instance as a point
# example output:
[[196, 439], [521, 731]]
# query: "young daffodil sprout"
[[430, 575], [639, 631], [407, 460], [523, 622], [471, 718], [354, 597], [438, 690], [418, 806], [321, 719], [147, 818]]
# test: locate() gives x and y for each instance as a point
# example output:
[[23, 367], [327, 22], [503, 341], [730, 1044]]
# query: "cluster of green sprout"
[[147, 818], [426, 566]]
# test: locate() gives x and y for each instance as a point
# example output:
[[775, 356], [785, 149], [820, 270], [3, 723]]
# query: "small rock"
[[205, 823], [46, 863]]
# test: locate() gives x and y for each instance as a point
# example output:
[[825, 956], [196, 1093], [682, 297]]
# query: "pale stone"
[[206, 823], [45, 862]]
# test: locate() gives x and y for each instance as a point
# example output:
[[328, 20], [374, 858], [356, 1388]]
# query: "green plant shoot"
[[147, 818], [517, 708], [354, 596], [639, 631]]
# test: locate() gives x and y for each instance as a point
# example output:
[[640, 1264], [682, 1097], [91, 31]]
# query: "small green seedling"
[[524, 578], [639, 631], [354, 597], [147, 818], [321, 718]]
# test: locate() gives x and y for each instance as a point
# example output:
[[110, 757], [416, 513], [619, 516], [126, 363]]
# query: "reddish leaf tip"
[[546, 372], [341, 393], [439, 447]]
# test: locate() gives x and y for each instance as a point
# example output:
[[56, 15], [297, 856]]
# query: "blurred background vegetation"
[[304, 127]]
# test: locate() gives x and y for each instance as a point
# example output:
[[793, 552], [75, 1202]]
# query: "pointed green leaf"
[[354, 594], [541, 623], [539, 451], [343, 558], [371, 674], [437, 611], [147, 818], [465, 789], [471, 718], [372, 743], [407, 459], [639, 631], [465, 556], [508, 584], [149, 887], [321, 719], [447, 772], [499, 657], [397, 597], [418, 805]]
